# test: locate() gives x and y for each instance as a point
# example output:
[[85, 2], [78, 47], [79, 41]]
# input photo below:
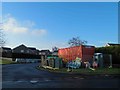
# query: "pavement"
[[27, 76]]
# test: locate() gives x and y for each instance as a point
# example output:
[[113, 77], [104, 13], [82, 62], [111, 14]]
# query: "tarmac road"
[[27, 76]]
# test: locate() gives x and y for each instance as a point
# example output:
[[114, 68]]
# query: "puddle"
[[106, 75], [33, 81], [20, 81], [81, 78], [47, 79], [76, 77]]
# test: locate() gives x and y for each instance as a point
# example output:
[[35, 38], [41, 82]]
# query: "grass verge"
[[5, 61], [85, 71]]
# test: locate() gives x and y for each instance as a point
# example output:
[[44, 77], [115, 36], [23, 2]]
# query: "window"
[[28, 51], [22, 51]]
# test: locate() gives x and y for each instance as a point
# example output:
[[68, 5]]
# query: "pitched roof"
[[112, 44], [22, 45], [6, 48], [31, 48], [45, 51]]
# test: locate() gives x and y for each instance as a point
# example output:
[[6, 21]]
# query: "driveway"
[[27, 76]]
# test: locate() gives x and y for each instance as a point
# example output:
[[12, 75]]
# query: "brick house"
[[6, 52], [25, 50]]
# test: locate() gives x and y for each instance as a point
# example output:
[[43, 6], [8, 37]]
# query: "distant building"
[[112, 44], [44, 52], [23, 53], [25, 50], [33, 50], [55, 53], [6, 52]]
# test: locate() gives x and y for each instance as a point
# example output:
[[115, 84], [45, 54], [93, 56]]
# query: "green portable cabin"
[[54, 61]]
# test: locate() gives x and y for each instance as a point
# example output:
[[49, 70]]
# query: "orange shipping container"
[[84, 52]]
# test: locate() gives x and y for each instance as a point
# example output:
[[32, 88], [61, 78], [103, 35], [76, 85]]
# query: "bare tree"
[[75, 41], [55, 49], [2, 38]]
